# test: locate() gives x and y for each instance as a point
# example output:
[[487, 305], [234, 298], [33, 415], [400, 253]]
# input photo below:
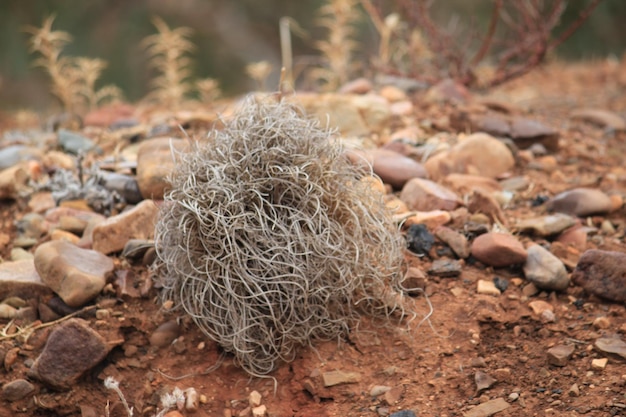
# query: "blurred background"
[[228, 34]]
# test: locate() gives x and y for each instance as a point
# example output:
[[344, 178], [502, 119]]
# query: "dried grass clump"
[[269, 240]]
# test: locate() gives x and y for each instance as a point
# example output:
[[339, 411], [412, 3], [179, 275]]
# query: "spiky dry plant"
[[259, 71], [49, 44], [168, 50], [73, 79], [269, 240], [209, 89], [339, 18]]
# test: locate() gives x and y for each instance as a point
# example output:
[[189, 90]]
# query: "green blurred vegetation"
[[228, 34]]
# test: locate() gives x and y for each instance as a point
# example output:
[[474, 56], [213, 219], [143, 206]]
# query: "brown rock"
[[72, 349], [526, 132], [481, 201], [545, 270], [154, 163], [13, 180], [581, 202], [165, 334], [17, 389], [332, 378], [394, 168], [603, 118], [488, 408], [559, 355], [483, 381], [457, 242], [478, 154], [137, 223], [547, 225], [613, 346], [76, 275], [20, 278], [602, 273], [498, 249], [464, 183], [448, 90], [424, 195], [357, 86]]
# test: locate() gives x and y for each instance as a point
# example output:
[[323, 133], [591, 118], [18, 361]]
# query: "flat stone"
[[72, 349], [603, 118], [599, 363], [446, 268], [547, 225], [14, 154], [602, 273], [581, 202], [545, 270], [539, 307], [76, 275], [137, 223], [379, 390], [457, 242], [477, 154], [394, 168], [483, 381], [17, 389], [332, 378], [613, 346], [20, 278], [394, 395], [498, 250], [75, 143], [560, 355], [424, 195], [527, 132], [430, 219], [155, 163], [488, 408], [487, 287]]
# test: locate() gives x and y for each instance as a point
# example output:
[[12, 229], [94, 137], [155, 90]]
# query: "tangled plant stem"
[[269, 240]]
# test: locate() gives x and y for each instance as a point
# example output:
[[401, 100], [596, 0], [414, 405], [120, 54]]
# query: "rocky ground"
[[511, 201]]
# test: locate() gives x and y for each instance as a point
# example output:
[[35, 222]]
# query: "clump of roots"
[[269, 240]]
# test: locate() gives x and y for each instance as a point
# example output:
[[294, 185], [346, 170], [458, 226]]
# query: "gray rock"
[[483, 381], [76, 275], [403, 413], [581, 202], [14, 154], [125, 185], [137, 223], [603, 118], [75, 143], [72, 349], [602, 273], [545, 270], [17, 389]]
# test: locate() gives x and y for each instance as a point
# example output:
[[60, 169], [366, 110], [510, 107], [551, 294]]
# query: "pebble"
[[165, 334], [393, 396], [603, 118], [75, 143], [573, 391], [7, 311], [394, 168], [527, 132], [477, 154], [480, 201], [254, 398], [20, 278], [137, 223], [457, 242], [602, 273], [424, 195], [483, 381], [599, 363], [125, 185], [72, 349], [581, 202], [403, 413], [191, 400], [446, 268], [419, 240], [560, 355], [414, 281], [465, 183], [332, 378], [260, 411], [448, 90], [77, 275], [488, 408], [514, 396], [13, 180], [14, 154], [430, 219], [379, 390], [17, 389], [19, 254], [498, 250], [539, 307], [547, 225], [392, 93], [487, 287], [545, 270], [357, 86], [154, 163], [612, 346], [601, 323]]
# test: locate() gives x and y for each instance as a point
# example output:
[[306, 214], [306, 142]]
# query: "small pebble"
[[599, 364]]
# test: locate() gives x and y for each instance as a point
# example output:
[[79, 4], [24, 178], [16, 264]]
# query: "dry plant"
[[168, 400], [168, 51], [269, 240], [73, 79], [209, 89], [338, 17], [517, 38], [259, 71]]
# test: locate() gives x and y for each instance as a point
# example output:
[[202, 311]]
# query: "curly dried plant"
[[168, 51], [339, 18], [73, 79], [269, 240]]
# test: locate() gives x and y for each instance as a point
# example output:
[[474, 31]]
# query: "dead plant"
[[269, 241]]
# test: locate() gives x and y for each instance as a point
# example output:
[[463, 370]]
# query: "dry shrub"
[[269, 240]]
